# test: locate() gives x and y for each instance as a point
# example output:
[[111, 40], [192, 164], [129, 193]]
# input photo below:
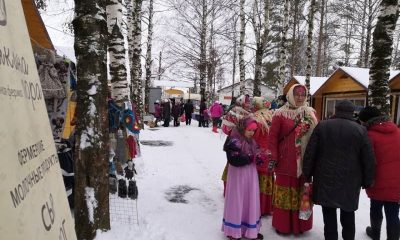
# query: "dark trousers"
[[392, 216], [347, 220], [188, 119], [215, 121], [201, 119]]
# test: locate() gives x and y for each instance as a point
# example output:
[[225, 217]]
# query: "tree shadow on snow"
[[177, 194]]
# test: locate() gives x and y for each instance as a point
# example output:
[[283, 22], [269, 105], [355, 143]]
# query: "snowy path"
[[188, 173]]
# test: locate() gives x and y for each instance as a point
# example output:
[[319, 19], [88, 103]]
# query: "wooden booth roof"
[[36, 28], [394, 83], [348, 79]]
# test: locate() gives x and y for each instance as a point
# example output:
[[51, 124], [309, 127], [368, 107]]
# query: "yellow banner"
[[32, 195]]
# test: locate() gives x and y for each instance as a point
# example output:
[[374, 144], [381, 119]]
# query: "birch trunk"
[[242, 34], [363, 28], [261, 42], [203, 49], [378, 90], [309, 45], [283, 54], [369, 33], [321, 38], [136, 70], [294, 54], [116, 49], [148, 59], [91, 163]]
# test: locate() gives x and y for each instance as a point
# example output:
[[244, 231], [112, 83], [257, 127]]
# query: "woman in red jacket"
[[291, 128], [385, 139]]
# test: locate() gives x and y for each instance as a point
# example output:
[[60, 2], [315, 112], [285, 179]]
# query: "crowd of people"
[[282, 161]]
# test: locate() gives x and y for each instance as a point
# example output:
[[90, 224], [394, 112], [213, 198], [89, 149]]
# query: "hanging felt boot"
[[122, 188], [374, 231]]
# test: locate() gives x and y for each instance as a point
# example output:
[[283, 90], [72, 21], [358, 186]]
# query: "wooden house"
[[394, 85], [345, 83]]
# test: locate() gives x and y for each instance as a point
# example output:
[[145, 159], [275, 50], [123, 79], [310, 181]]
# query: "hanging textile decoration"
[[129, 121], [114, 115]]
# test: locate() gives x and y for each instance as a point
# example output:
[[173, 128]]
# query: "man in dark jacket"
[[339, 160], [188, 111], [166, 112]]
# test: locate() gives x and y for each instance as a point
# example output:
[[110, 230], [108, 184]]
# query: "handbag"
[[182, 118]]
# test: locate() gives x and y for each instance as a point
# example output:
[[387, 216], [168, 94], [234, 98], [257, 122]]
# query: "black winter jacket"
[[340, 159]]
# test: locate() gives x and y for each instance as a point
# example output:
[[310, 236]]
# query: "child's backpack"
[[132, 190], [122, 189]]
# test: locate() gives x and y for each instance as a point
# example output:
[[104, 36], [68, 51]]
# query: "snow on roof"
[[164, 83], [361, 75], [315, 82]]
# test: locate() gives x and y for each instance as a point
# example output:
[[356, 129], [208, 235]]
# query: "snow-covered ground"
[[194, 161]]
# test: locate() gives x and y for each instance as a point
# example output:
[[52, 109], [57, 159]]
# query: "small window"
[[330, 104]]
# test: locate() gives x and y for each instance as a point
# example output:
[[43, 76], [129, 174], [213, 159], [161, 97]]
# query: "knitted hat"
[[344, 106], [369, 112]]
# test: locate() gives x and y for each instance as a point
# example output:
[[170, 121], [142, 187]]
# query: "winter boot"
[[374, 231], [214, 129], [113, 185]]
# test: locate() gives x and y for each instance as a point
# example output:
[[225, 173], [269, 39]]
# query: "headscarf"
[[262, 115], [235, 114], [304, 114], [247, 146]]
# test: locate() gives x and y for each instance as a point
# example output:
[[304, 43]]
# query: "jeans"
[[347, 219], [392, 216]]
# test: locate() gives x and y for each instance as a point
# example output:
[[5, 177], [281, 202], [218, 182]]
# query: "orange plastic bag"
[[306, 205]]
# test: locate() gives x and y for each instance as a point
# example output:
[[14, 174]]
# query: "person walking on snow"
[[203, 107], [242, 199], [188, 108], [385, 193], [216, 112], [339, 160], [157, 112], [291, 128]]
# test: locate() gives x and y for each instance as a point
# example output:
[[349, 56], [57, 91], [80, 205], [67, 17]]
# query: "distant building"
[[225, 93]]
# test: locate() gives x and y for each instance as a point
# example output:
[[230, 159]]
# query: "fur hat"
[[344, 106], [369, 112]]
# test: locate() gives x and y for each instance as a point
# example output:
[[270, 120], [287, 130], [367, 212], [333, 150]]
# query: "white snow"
[[196, 159], [91, 202], [361, 75]]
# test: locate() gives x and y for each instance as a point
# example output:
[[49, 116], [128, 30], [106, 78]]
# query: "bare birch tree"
[[309, 45], [91, 163], [378, 90], [283, 46], [260, 22], [242, 35], [135, 50], [116, 49], [148, 57]]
